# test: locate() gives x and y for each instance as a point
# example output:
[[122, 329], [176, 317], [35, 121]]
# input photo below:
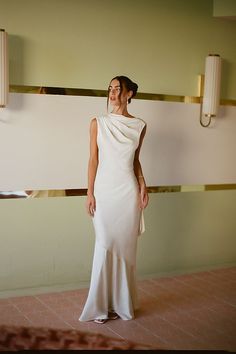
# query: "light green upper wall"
[[161, 44], [224, 8]]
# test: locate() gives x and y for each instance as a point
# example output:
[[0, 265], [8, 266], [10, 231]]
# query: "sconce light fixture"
[[211, 94], [4, 74]]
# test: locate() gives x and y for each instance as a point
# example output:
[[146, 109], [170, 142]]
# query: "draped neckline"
[[121, 116]]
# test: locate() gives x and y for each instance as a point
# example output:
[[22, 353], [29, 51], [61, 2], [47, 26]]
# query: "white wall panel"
[[44, 142]]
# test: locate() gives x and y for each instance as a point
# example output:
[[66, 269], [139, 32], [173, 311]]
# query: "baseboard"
[[204, 268]]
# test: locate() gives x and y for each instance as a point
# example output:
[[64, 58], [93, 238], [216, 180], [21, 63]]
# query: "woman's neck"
[[120, 110]]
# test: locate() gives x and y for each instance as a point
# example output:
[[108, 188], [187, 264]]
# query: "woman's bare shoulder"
[[93, 122], [93, 125]]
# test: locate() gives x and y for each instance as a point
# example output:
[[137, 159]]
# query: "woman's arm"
[[92, 168], [139, 173]]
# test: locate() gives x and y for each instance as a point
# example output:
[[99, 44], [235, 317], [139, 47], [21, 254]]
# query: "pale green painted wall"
[[224, 8], [162, 44], [49, 242]]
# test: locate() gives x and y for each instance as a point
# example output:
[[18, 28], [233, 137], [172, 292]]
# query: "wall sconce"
[[211, 95], [4, 72]]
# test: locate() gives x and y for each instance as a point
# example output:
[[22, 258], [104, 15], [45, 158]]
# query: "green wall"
[[162, 44], [48, 242], [224, 8]]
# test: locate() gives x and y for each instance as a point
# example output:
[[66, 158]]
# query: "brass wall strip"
[[152, 189], [214, 187], [103, 93], [168, 189]]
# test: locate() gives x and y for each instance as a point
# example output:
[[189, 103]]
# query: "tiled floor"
[[193, 311]]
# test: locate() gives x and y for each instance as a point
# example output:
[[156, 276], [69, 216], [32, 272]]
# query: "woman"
[[116, 197]]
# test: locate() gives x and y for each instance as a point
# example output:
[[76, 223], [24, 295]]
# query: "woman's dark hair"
[[127, 83]]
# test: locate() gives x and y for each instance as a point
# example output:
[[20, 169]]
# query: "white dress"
[[117, 220]]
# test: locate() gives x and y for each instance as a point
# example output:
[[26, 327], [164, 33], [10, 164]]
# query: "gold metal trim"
[[191, 188], [103, 93], [214, 187], [151, 189]]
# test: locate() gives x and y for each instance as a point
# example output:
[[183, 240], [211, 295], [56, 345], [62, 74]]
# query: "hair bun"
[[134, 88]]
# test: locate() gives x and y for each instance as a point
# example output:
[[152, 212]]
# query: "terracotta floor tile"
[[156, 308], [68, 313], [187, 292], [31, 306], [192, 288], [50, 296], [78, 301], [17, 320], [75, 297], [184, 277], [214, 277], [227, 320], [167, 281], [143, 295], [9, 310], [91, 327], [223, 307], [131, 330], [4, 302], [75, 293], [203, 287], [152, 289], [224, 271], [216, 321], [147, 305], [167, 298], [103, 329], [21, 299], [55, 302], [71, 316], [47, 319], [202, 330], [162, 328], [193, 344], [224, 279], [51, 324]]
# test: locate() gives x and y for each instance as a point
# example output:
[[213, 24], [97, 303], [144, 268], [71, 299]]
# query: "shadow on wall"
[[226, 70], [48, 193], [16, 59]]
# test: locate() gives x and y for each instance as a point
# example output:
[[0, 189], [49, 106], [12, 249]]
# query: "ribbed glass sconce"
[[211, 95], [4, 72]]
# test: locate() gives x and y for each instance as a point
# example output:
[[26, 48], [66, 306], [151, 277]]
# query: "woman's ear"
[[131, 93]]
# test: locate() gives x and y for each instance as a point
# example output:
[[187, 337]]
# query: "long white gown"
[[117, 220]]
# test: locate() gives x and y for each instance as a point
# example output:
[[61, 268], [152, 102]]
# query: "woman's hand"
[[143, 197], [91, 204]]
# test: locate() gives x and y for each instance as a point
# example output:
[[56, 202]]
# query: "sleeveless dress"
[[117, 220]]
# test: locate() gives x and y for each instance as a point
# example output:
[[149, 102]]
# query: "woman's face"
[[114, 91]]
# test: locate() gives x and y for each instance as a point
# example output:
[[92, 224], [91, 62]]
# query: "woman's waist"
[[109, 174], [110, 181]]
